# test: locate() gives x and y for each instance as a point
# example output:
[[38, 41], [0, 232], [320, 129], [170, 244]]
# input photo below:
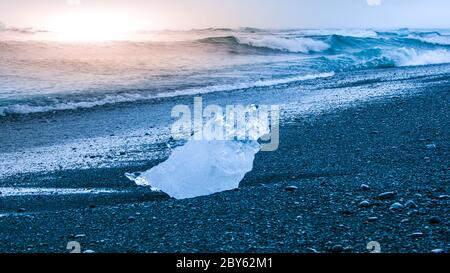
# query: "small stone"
[[131, 218], [437, 251], [337, 248], [396, 206], [291, 188], [387, 195], [365, 187], [347, 212], [313, 250], [442, 197], [431, 146], [89, 251], [416, 235], [435, 220], [364, 204], [410, 204], [372, 219], [80, 236], [21, 210]]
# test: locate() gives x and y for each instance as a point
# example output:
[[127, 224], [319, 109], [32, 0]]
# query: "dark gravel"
[[306, 197]]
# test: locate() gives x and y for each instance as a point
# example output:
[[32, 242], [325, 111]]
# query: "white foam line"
[[112, 99], [8, 192]]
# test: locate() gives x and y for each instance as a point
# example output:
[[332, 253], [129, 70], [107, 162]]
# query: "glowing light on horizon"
[[93, 26]]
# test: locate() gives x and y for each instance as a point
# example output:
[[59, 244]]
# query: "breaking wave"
[[294, 45], [412, 57]]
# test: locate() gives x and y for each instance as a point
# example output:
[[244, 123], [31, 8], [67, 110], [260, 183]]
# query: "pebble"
[[337, 248], [89, 251], [347, 212], [410, 204], [365, 187], [80, 236], [416, 234], [291, 188], [21, 210], [396, 206], [364, 204], [372, 219], [387, 195], [131, 218], [437, 251], [313, 250], [435, 220], [431, 146]]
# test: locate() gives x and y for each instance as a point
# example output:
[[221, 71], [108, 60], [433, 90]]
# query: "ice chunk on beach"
[[202, 168]]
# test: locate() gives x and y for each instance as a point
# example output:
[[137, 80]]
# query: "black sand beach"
[[332, 186]]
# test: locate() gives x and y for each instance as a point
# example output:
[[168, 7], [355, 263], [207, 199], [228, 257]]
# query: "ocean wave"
[[275, 43], [294, 45], [356, 33], [25, 108], [434, 39], [68, 105], [412, 57]]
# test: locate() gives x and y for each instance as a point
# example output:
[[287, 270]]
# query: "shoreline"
[[387, 146]]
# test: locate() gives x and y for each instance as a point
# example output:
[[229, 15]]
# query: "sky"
[[188, 14]]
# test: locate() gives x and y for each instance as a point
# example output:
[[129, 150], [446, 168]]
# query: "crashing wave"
[[434, 39], [355, 33], [411, 57], [292, 45]]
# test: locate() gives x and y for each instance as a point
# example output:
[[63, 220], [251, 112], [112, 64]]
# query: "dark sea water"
[[38, 75]]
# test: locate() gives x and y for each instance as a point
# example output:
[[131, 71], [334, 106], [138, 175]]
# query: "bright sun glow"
[[95, 26]]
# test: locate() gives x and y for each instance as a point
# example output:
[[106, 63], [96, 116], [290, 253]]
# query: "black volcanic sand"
[[401, 146]]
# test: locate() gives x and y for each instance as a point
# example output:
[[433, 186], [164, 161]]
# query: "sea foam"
[[24, 108], [294, 45], [412, 57]]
